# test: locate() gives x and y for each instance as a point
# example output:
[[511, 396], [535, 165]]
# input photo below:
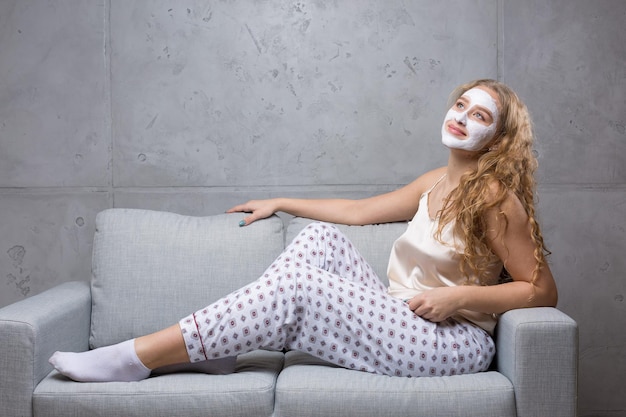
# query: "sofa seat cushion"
[[311, 387], [150, 269], [247, 392]]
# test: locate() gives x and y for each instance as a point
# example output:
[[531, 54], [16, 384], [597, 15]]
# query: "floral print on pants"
[[322, 298]]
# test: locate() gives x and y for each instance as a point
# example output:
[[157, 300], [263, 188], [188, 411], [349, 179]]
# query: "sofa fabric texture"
[[152, 268], [146, 277]]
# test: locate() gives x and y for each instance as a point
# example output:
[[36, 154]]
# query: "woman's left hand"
[[437, 304]]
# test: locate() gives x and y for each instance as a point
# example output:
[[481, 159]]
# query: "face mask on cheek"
[[478, 135]]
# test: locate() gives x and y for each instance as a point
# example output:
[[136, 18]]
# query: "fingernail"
[[242, 223]]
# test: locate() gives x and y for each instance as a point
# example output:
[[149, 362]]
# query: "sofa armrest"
[[538, 351], [33, 329]]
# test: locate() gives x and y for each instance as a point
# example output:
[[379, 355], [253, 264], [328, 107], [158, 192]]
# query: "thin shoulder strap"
[[435, 184]]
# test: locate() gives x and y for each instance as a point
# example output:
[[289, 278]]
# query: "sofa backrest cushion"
[[374, 242], [150, 269]]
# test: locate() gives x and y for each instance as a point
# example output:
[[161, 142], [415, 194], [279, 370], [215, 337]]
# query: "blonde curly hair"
[[506, 165]]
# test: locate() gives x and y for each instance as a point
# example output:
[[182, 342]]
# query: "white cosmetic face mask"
[[478, 135]]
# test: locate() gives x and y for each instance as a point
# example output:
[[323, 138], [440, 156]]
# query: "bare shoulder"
[[398, 205], [509, 205], [426, 180]]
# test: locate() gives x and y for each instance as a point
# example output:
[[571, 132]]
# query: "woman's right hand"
[[258, 209]]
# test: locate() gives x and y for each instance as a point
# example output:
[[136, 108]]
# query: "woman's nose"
[[462, 118]]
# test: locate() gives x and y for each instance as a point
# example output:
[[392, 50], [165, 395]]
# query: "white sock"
[[111, 363]]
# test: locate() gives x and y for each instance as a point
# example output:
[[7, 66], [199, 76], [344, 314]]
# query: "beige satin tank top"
[[419, 262]]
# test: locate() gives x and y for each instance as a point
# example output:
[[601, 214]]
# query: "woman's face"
[[471, 122]]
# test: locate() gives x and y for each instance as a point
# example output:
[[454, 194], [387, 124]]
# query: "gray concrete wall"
[[193, 106]]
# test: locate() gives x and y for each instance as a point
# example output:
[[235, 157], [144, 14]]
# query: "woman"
[[473, 221]]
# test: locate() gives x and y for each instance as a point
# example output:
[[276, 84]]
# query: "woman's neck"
[[460, 163]]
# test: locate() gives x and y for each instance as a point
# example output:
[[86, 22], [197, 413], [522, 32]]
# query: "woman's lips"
[[455, 130]]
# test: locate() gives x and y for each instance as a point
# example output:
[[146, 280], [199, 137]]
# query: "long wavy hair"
[[506, 165]]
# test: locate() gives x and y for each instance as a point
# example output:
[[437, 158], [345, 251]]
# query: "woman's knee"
[[322, 231]]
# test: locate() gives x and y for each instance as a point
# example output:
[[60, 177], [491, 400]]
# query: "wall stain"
[[256, 43], [575, 126], [149, 126], [407, 62], [433, 63], [17, 253], [166, 51], [618, 127], [178, 68], [605, 267], [292, 89], [304, 25], [389, 71], [21, 278], [299, 7]]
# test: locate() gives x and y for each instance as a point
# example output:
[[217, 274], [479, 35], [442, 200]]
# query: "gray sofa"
[[152, 268]]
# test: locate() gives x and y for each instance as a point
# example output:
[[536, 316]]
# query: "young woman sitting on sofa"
[[472, 221]]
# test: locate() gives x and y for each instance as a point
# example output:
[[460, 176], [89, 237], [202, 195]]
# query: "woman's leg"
[[163, 348], [319, 244], [131, 360], [263, 313], [320, 297], [162, 352]]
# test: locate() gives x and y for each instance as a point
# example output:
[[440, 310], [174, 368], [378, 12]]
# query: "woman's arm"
[[514, 246], [398, 205]]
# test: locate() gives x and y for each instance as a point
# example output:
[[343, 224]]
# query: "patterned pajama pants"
[[322, 298]]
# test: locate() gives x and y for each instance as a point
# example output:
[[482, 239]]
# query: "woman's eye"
[[479, 116], [459, 105]]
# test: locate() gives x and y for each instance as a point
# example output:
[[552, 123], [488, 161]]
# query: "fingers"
[[237, 209], [425, 309], [258, 209], [248, 220], [418, 308]]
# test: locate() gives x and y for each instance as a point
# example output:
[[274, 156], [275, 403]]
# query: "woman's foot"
[[111, 363]]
